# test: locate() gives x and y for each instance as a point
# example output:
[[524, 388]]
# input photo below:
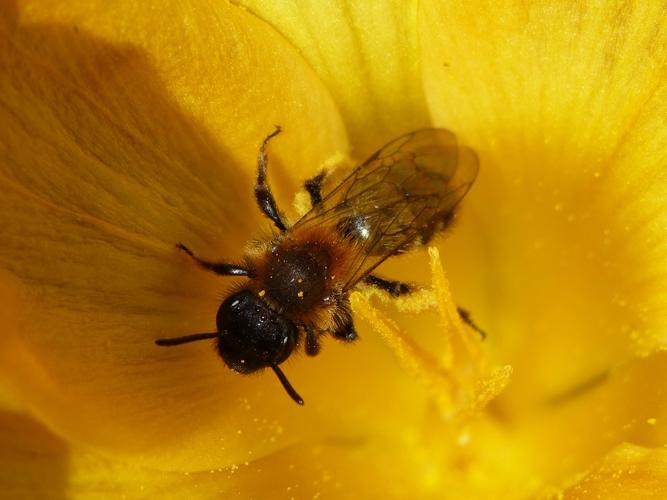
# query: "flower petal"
[[34, 463], [366, 54], [566, 435], [627, 472], [124, 132], [565, 104], [562, 250]]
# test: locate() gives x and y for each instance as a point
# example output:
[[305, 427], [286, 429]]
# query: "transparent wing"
[[402, 196]]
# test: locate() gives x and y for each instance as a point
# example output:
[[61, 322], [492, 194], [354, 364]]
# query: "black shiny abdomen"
[[296, 278]]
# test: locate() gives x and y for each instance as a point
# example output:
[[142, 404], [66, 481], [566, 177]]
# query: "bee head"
[[251, 335]]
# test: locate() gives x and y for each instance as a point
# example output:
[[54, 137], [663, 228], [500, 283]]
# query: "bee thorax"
[[297, 277]]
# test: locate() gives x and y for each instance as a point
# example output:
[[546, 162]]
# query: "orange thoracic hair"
[[302, 274]]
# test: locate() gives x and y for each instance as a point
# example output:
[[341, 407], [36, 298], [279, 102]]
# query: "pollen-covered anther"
[[460, 379]]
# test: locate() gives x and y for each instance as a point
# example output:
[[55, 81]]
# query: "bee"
[[299, 280]]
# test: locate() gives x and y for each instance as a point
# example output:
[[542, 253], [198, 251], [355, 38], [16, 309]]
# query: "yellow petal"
[[569, 433], [124, 132], [565, 226], [560, 253], [366, 53], [12, 354], [34, 463], [627, 472], [561, 246]]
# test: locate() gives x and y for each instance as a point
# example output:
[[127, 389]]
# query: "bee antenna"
[[184, 340], [288, 387]]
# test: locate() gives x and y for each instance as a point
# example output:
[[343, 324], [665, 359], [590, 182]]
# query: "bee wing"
[[399, 198]]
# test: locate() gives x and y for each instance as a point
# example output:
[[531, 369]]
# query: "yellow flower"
[[128, 126]]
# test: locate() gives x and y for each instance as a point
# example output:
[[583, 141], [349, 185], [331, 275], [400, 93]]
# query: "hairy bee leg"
[[346, 333], [312, 342], [263, 194], [394, 288], [220, 268], [314, 188], [465, 317]]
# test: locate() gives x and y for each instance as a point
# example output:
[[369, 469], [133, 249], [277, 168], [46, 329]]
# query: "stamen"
[[459, 378], [414, 359]]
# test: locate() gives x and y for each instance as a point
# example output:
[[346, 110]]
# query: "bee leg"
[[347, 332], [263, 194], [465, 317], [314, 188], [312, 342], [394, 288], [216, 267]]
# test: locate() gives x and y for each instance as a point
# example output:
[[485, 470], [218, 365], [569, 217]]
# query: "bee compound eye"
[[252, 335]]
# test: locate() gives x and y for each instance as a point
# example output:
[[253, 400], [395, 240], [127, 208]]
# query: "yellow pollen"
[[262, 293], [300, 294], [459, 377]]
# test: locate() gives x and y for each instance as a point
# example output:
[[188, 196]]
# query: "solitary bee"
[[300, 279]]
